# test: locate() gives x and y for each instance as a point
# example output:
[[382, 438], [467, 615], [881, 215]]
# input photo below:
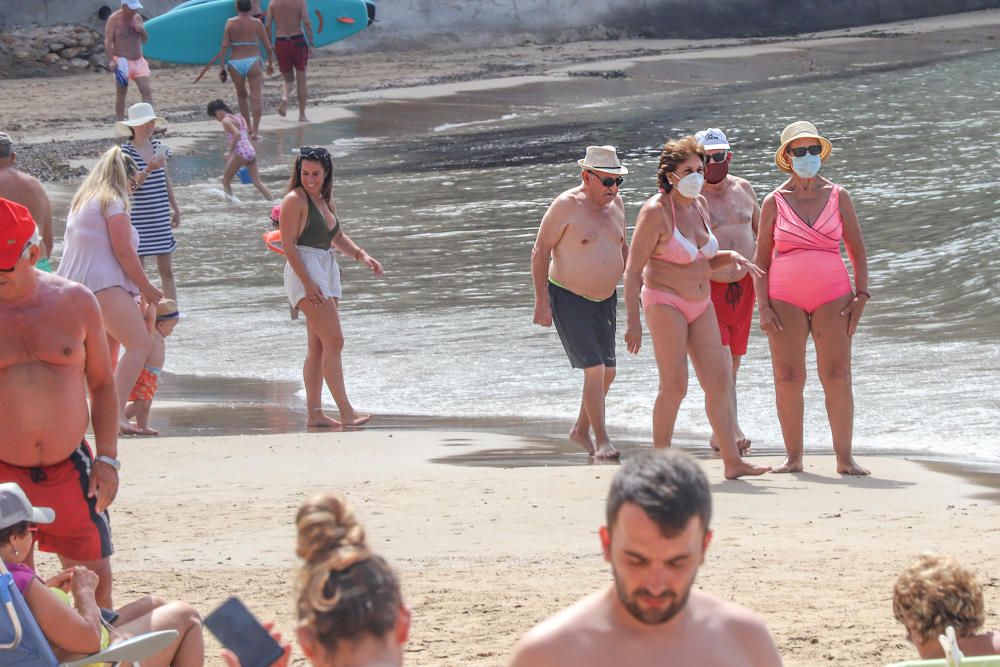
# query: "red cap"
[[16, 229]]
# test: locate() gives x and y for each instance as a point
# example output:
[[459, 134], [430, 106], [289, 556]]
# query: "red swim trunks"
[[734, 309], [145, 386], [79, 532], [292, 52]]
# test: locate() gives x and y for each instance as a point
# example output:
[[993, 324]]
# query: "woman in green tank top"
[[310, 231]]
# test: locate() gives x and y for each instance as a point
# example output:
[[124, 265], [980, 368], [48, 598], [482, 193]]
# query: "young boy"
[[161, 323]]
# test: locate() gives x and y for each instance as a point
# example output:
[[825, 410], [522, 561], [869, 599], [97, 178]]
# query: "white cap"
[[15, 508], [132, 4], [712, 139]]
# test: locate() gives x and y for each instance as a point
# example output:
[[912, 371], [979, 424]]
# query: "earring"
[[15, 552]]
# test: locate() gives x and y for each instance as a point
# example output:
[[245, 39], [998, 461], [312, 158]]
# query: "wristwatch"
[[114, 463]]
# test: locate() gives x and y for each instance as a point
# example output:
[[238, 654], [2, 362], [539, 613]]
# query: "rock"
[[22, 54], [51, 58], [79, 63], [70, 53], [56, 47], [97, 62], [87, 40]]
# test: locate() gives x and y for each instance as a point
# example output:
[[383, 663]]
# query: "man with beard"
[[734, 215], [657, 533]]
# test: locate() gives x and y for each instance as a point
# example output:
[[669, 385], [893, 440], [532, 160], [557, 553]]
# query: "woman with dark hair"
[[671, 258], [310, 230], [241, 152], [807, 291]]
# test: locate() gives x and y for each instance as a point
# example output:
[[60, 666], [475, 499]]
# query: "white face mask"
[[690, 186], [806, 166]]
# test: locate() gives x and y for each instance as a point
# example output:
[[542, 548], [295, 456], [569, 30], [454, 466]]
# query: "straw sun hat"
[[139, 114], [801, 129]]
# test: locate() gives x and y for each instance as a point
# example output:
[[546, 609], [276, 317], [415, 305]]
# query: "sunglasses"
[[320, 154], [717, 157], [801, 151], [607, 181], [24, 251]]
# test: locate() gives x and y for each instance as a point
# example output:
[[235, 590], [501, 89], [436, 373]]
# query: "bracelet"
[[357, 255], [114, 463], [859, 292]]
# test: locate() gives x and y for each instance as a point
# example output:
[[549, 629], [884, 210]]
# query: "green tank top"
[[316, 234]]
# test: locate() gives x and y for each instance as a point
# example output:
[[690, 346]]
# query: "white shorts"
[[321, 265]]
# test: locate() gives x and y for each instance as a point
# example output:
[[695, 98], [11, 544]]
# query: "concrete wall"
[[406, 19]]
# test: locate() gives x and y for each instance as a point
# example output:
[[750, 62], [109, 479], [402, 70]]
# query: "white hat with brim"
[[602, 158], [800, 129], [132, 4], [139, 114], [15, 508]]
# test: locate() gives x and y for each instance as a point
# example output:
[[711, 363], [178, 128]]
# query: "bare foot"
[[355, 418], [851, 467], [303, 119], [582, 439], [322, 421], [743, 469], [147, 431], [743, 444], [283, 108], [255, 137], [606, 450], [128, 428], [789, 466]]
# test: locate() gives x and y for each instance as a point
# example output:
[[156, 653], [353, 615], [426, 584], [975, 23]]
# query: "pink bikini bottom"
[[691, 310]]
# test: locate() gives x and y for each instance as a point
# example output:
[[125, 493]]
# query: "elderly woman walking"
[[807, 291]]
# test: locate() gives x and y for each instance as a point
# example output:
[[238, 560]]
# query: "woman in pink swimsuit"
[[673, 253], [807, 290]]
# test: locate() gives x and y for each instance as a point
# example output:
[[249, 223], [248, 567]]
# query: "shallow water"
[[448, 195]]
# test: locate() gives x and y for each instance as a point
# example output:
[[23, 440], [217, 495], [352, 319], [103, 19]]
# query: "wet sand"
[[485, 552]]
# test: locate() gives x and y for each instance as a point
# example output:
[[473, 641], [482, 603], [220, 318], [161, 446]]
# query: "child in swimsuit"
[[161, 321], [241, 150]]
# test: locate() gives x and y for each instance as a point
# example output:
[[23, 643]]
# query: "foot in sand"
[[283, 107], [126, 427], [147, 431], [789, 466], [354, 418], [606, 450], [582, 439], [319, 420], [743, 469], [851, 467]]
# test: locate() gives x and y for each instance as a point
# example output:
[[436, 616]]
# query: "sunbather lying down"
[[79, 628]]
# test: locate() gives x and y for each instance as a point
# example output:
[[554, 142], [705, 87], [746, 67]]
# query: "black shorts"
[[586, 328]]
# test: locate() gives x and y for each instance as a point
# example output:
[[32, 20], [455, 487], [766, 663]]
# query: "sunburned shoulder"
[[556, 640], [723, 616]]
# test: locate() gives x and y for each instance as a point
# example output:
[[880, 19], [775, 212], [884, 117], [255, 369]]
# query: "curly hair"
[[935, 592], [673, 154], [345, 592]]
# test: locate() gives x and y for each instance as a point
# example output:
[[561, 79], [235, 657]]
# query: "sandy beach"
[[486, 549], [485, 552]]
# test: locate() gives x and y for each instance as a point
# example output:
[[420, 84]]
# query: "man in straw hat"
[[53, 351], [578, 259], [734, 215], [124, 36], [28, 192], [655, 538]]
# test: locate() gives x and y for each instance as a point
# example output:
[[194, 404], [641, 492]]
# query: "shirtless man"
[[52, 349], [124, 36], [734, 215], [288, 22], [578, 259], [28, 192], [658, 512]]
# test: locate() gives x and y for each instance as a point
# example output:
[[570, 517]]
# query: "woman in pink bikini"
[[807, 290], [672, 256]]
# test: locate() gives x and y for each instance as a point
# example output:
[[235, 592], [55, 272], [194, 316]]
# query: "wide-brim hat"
[[602, 158], [15, 508], [139, 114], [800, 129], [166, 309]]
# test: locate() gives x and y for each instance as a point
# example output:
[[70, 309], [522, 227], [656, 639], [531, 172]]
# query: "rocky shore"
[[50, 51]]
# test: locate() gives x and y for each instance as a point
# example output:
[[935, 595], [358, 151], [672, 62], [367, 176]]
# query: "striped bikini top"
[[792, 233]]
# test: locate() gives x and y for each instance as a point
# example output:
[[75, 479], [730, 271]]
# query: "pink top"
[[22, 574], [792, 233], [680, 250], [88, 257]]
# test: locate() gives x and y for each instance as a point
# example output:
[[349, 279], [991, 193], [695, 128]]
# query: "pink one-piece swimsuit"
[[806, 268]]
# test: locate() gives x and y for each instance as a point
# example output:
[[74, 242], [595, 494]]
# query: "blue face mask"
[[806, 166]]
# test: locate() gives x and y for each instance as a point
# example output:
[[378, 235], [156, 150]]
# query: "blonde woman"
[[936, 592], [350, 609], [100, 253]]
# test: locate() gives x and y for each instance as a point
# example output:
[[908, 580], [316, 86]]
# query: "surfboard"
[[191, 34]]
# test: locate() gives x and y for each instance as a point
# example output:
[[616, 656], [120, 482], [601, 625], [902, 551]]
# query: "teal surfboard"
[[192, 33]]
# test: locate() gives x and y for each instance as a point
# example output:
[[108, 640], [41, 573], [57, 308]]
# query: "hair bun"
[[328, 532]]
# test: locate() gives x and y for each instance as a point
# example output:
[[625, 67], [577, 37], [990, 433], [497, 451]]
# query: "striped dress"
[[151, 208]]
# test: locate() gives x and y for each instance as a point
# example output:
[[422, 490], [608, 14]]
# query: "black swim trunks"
[[586, 328]]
